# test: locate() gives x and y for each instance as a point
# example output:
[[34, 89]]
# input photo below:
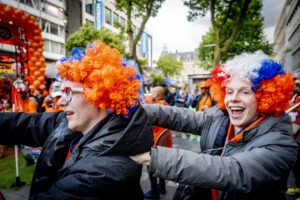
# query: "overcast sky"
[[170, 27]]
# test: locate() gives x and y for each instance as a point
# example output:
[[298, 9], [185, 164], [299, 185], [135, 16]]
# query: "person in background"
[[39, 98], [169, 97], [27, 104], [86, 147], [50, 102], [7, 107], [246, 144], [203, 100], [180, 102], [157, 97], [194, 95]]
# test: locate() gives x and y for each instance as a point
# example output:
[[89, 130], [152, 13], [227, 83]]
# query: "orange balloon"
[[41, 78], [8, 9], [42, 70], [31, 50], [33, 59], [35, 45], [42, 87], [32, 87], [38, 64], [37, 31], [36, 83], [37, 73]]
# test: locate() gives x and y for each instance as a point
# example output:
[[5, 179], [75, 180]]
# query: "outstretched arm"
[[175, 118], [27, 129]]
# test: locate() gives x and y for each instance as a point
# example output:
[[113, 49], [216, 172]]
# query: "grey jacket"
[[255, 168]]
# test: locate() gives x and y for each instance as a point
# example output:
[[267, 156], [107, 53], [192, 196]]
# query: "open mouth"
[[236, 111]]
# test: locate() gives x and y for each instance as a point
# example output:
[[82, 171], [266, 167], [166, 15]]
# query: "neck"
[[237, 129], [98, 117]]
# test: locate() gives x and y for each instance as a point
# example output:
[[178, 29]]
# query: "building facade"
[[191, 74], [287, 37], [103, 14]]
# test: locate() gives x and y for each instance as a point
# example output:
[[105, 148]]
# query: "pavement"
[[180, 141]]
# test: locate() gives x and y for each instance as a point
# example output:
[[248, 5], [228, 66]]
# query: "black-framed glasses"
[[67, 93]]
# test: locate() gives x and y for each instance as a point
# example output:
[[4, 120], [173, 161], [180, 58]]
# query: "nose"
[[234, 97], [61, 101]]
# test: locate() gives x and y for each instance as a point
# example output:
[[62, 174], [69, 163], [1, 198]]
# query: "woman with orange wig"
[[246, 143], [86, 146]]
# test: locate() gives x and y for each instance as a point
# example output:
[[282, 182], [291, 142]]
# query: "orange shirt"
[[29, 106], [205, 102], [158, 130]]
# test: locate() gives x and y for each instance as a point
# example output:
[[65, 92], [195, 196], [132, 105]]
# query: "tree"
[[250, 38], [156, 79], [169, 65], [86, 34], [227, 18], [142, 9]]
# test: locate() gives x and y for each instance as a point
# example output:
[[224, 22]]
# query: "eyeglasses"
[[67, 93]]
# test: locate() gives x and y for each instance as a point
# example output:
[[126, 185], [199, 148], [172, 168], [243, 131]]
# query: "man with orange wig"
[[86, 147], [246, 143]]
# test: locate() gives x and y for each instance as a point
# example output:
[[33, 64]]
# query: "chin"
[[71, 126]]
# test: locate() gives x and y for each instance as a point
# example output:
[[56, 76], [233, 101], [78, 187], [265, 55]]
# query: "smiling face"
[[81, 115], [240, 102]]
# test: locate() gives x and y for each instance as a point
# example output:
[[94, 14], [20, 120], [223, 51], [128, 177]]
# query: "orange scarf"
[[237, 138]]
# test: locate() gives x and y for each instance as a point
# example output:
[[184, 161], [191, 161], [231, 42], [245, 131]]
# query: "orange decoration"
[[36, 61]]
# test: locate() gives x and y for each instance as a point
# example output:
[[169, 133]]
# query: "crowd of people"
[[96, 133]]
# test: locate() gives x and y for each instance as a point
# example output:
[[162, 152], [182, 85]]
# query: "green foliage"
[[8, 173], [156, 79], [169, 65], [141, 9], [250, 36], [87, 34]]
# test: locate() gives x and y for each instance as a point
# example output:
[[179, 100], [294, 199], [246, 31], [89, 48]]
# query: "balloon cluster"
[[34, 74]]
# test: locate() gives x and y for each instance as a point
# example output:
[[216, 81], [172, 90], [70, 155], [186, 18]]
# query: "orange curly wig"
[[110, 85], [273, 86]]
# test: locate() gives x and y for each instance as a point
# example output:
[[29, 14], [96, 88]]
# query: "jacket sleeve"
[[27, 129], [175, 118], [241, 172], [111, 177]]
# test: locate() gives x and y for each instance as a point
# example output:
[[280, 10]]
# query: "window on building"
[[45, 26], [47, 45], [122, 21], [53, 29], [55, 47], [62, 49], [27, 2], [108, 16], [116, 19], [61, 32], [89, 7]]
